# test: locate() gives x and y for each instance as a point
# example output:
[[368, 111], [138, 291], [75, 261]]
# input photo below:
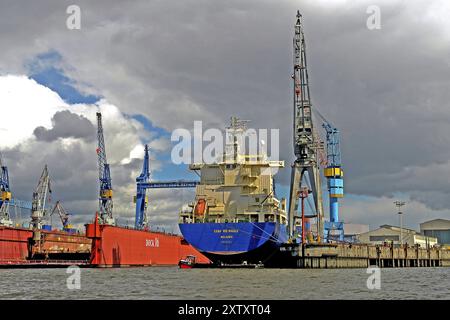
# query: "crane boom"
[[306, 146], [63, 215], [5, 195], [106, 192]]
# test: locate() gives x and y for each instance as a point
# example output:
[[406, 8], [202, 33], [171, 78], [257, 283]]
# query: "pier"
[[327, 256]]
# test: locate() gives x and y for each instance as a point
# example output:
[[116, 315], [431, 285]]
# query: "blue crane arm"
[[143, 183], [333, 145], [170, 184]]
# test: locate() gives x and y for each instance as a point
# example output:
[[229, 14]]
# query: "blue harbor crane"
[[143, 183], [333, 229], [6, 199], [106, 192], [5, 195], [141, 193]]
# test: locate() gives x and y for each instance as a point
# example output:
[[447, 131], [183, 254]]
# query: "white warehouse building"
[[387, 233]]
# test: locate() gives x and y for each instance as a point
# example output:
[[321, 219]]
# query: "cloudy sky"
[[154, 66]]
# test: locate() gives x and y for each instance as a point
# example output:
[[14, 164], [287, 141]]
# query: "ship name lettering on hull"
[[152, 243]]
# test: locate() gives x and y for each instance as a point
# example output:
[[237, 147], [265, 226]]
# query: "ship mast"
[[234, 135], [306, 164]]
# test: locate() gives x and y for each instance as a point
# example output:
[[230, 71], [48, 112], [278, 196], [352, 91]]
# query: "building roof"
[[394, 228], [435, 224]]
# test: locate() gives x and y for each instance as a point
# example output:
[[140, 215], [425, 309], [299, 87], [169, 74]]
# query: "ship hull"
[[235, 243], [120, 247]]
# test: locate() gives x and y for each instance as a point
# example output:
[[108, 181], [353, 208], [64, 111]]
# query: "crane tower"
[[306, 144], [106, 192], [141, 220], [143, 183]]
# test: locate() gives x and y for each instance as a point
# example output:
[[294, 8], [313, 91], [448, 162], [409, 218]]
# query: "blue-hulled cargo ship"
[[236, 242], [236, 217]]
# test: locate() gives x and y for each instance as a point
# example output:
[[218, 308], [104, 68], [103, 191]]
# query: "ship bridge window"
[[230, 166]]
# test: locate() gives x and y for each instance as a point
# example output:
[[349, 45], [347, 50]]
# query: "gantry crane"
[[143, 183], [141, 221], [5, 195], [306, 145], [6, 199], [40, 198], [106, 192]]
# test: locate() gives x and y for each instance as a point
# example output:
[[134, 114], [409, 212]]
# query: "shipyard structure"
[[104, 244], [236, 218]]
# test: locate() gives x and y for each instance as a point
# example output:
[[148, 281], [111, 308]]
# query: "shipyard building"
[[439, 228], [393, 234]]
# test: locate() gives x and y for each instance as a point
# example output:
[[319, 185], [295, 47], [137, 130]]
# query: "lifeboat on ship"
[[200, 209]]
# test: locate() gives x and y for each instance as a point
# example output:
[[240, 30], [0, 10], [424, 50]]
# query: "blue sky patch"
[[148, 125], [46, 69], [169, 170]]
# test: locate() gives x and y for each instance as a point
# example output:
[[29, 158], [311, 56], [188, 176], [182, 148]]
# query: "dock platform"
[[43, 263], [358, 256]]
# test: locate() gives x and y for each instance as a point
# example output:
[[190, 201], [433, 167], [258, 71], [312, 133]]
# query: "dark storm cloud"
[[66, 125], [180, 61], [72, 169]]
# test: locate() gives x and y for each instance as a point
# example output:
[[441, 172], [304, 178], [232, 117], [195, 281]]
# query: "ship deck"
[[43, 263]]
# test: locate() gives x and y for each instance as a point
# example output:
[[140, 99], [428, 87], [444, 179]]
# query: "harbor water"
[[174, 283]]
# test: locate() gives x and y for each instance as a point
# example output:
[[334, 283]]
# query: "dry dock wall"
[[361, 256]]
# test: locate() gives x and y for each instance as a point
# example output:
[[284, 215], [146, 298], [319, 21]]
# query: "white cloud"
[[25, 105], [72, 161], [160, 144]]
